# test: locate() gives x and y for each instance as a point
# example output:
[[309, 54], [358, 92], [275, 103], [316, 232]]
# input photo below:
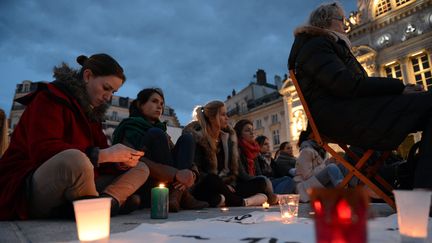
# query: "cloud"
[[196, 51]]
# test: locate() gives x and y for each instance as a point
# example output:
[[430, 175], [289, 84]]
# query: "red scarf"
[[251, 150]]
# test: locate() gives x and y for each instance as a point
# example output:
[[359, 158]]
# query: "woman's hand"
[[185, 177], [179, 186], [121, 154]]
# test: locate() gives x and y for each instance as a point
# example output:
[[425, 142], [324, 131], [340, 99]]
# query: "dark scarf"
[[251, 150], [135, 125], [69, 82]]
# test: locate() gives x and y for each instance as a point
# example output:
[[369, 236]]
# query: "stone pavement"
[[65, 230]]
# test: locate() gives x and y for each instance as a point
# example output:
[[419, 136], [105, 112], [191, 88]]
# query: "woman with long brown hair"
[[217, 158]]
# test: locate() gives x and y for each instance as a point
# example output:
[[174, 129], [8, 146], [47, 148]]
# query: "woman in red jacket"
[[58, 152]]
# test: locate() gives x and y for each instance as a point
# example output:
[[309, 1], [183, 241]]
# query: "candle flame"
[[317, 206], [161, 185], [265, 205], [343, 210]]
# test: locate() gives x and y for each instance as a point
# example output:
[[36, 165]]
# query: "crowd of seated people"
[[64, 156]]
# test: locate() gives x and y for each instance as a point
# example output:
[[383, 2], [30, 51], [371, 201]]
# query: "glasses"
[[341, 19]]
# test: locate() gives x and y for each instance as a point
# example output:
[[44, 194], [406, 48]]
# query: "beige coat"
[[308, 164]]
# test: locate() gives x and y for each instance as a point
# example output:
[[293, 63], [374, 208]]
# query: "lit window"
[[382, 7], [276, 139], [393, 71], [422, 70], [401, 2]]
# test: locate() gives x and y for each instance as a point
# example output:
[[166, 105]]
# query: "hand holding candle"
[[159, 202]]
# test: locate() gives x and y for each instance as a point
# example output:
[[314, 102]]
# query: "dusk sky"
[[195, 50]]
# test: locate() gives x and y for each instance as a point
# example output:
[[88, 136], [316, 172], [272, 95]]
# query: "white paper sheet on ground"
[[253, 227]]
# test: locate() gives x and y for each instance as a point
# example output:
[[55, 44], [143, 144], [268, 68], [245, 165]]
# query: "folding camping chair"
[[362, 170]]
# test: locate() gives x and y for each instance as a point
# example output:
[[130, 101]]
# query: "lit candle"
[[224, 209], [159, 202], [265, 205], [93, 219]]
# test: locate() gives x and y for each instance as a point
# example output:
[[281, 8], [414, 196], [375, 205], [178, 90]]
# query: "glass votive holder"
[[340, 214], [413, 214], [93, 219], [288, 204]]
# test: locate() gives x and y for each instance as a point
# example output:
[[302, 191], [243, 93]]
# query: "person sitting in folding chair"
[[350, 107]]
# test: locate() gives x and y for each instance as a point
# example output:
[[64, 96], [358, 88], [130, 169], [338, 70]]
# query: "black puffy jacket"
[[347, 105]]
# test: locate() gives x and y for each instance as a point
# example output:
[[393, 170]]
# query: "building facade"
[[118, 110], [393, 38], [263, 104]]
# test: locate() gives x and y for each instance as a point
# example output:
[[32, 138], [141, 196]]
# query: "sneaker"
[[255, 200]]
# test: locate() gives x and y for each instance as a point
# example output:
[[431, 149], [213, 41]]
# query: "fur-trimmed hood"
[[306, 32], [228, 139], [313, 31], [67, 79]]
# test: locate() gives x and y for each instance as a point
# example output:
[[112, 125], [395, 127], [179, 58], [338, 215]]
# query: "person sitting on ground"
[[217, 158], [349, 106], [284, 165], [58, 152], [169, 164], [312, 167], [281, 184], [249, 151]]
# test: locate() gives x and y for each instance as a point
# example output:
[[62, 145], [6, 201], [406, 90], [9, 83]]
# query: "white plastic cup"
[[413, 214], [288, 204], [93, 219]]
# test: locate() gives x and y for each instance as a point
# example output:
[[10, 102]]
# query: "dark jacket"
[[266, 168], [206, 157], [130, 131], [56, 118], [347, 105], [283, 164]]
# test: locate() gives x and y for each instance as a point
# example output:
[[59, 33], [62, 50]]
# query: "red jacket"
[[52, 122]]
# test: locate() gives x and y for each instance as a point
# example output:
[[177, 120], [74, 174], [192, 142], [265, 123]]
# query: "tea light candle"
[[93, 219], [159, 202], [265, 205], [224, 209]]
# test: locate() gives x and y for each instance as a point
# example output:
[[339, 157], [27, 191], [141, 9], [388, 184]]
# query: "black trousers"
[[157, 149], [423, 171], [209, 188]]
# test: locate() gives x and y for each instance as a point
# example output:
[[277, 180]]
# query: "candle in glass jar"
[[159, 202]]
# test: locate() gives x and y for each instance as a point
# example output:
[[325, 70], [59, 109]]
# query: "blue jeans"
[[283, 185], [331, 174]]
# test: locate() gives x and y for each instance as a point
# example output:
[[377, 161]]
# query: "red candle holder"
[[340, 214]]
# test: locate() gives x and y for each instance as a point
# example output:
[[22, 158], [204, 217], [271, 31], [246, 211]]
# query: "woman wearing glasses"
[[351, 107]]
